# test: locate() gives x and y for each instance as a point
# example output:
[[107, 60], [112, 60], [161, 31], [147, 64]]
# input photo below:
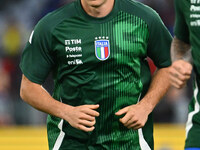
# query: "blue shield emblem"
[[102, 49]]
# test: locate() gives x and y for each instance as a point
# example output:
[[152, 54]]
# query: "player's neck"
[[96, 9]]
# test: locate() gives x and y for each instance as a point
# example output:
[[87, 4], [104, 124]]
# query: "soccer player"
[[185, 43], [97, 51]]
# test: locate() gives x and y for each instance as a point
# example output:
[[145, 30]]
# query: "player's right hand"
[[179, 73], [82, 117]]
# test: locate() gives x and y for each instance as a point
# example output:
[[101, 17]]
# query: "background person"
[[187, 29]]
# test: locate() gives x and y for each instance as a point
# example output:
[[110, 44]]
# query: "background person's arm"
[[80, 117], [181, 68]]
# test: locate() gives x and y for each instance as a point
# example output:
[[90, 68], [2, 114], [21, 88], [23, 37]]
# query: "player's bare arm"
[[181, 69], [136, 115], [80, 117]]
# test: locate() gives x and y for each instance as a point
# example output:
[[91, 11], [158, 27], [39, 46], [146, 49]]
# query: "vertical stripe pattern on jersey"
[[189, 123], [126, 36]]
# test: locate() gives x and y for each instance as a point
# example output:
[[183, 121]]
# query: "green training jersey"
[[187, 29], [98, 61]]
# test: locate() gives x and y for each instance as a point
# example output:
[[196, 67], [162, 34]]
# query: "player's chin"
[[96, 3]]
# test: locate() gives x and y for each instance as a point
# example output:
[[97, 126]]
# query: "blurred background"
[[17, 20]]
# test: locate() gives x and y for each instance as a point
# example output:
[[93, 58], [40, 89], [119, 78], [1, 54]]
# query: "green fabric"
[[64, 43], [187, 29], [181, 28]]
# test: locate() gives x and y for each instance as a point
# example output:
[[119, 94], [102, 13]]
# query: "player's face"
[[95, 3]]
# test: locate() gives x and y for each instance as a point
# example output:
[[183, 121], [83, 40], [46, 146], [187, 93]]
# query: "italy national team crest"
[[102, 48]]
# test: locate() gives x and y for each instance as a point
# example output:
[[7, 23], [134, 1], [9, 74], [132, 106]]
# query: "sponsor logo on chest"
[[74, 51], [195, 13]]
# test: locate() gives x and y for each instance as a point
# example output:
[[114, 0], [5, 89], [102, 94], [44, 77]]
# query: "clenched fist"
[[180, 72]]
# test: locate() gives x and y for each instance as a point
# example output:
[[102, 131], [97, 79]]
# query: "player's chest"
[[77, 45]]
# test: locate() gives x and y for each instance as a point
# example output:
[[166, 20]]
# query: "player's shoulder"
[[66, 11], [135, 4], [49, 21], [139, 9]]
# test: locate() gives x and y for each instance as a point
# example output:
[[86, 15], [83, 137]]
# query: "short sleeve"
[[37, 57], [181, 30], [159, 42]]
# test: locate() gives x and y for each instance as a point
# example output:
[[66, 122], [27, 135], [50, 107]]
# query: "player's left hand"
[[135, 116]]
